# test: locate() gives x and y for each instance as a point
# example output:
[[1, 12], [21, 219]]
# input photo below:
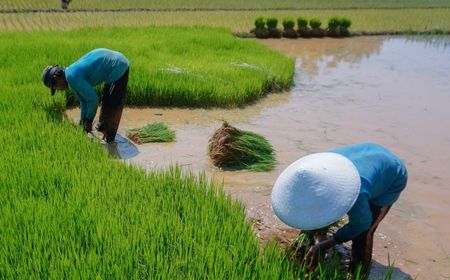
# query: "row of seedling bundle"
[[268, 28]]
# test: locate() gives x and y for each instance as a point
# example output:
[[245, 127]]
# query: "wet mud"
[[389, 90]]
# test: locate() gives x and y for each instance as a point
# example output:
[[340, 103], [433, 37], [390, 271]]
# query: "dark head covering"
[[49, 74]]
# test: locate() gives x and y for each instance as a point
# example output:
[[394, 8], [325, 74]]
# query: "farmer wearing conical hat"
[[362, 181], [94, 68]]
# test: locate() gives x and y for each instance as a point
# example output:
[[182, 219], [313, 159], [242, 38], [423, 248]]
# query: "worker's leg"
[[362, 245], [113, 100]]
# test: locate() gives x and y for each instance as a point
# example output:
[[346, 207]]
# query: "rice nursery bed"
[[232, 148], [68, 211], [154, 132], [170, 66]]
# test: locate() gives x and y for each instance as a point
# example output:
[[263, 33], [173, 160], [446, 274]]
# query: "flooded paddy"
[[390, 90]]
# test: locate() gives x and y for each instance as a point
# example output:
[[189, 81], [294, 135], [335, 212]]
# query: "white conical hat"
[[316, 191]]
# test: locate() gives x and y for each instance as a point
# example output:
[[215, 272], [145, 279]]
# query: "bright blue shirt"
[[383, 177], [95, 67]]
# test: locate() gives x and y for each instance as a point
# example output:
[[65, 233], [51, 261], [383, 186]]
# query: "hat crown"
[[316, 191]]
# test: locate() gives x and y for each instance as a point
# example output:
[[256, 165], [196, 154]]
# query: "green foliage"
[[272, 22], [288, 23], [315, 23], [345, 22], [302, 22], [174, 66], [154, 132], [260, 22], [334, 22]]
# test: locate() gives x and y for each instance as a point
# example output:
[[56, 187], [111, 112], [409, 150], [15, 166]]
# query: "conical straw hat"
[[316, 191]]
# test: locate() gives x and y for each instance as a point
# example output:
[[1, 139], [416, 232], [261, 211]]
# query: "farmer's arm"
[[360, 220], [82, 107], [86, 93]]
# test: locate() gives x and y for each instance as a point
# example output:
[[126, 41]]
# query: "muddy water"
[[393, 91]]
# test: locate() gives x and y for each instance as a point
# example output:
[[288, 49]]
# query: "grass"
[[154, 132], [236, 149], [368, 20], [222, 4], [196, 67]]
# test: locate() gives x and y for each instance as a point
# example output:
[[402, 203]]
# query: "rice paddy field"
[[222, 4], [171, 66], [68, 211], [363, 20]]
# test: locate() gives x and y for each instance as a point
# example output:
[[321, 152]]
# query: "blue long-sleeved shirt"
[[95, 67], [383, 177]]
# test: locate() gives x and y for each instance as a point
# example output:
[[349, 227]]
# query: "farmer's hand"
[[312, 257], [87, 126]]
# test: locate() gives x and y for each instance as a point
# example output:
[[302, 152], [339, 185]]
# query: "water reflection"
[[332, 52], [121, 148]]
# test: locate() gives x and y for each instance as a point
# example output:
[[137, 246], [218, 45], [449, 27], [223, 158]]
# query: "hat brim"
[[316, 191]]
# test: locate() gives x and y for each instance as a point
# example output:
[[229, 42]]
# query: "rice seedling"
[[226, 71], [154, 132], [333, 26], [260, 29], [232, 148], [288, 28], [303, 30], [344, 25], [272, 24], [315, 24]]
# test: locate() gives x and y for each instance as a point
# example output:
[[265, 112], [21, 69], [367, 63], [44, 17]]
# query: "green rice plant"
[[233, 148], [272, 22], [303, 30], [315, 22], [226, 71], [154, 132], [302, 22], [345, 24], [334, 23], [288, 31], [288, 23], [260, 22]]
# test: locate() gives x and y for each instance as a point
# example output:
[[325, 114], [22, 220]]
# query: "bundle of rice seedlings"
[[300, 246], [233, 148], [155, 132]]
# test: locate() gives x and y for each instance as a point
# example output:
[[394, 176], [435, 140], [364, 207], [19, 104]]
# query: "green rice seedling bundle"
[[154, 132], [233, 148], [288, 28], [303, 30], [272, 25]]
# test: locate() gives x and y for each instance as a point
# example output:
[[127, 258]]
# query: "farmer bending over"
[[361, 180], [96, 67]]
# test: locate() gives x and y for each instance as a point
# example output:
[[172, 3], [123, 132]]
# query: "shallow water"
[[391, 90]]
